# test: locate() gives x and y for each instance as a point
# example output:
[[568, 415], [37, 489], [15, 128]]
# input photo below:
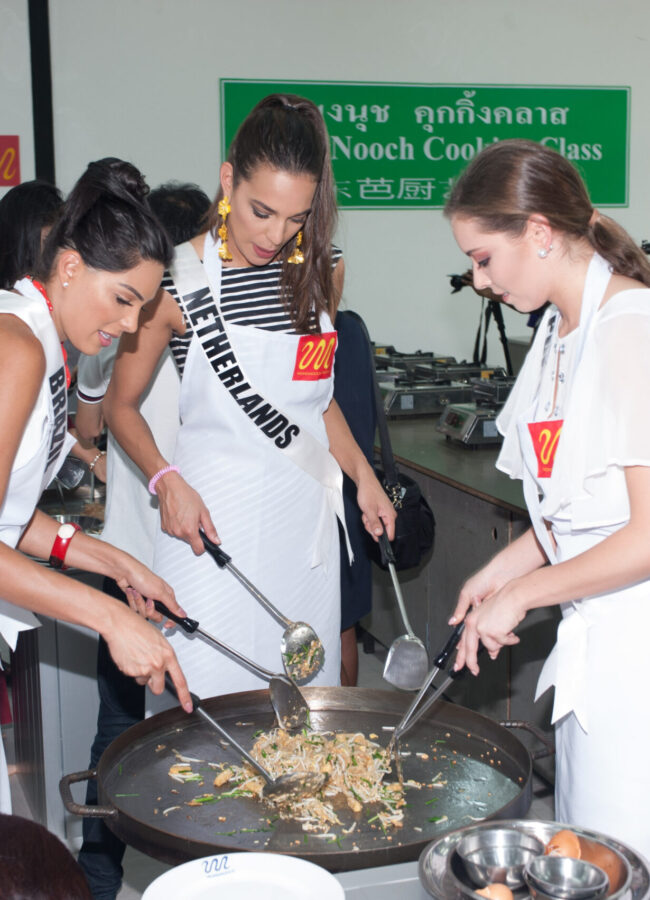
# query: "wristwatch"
[[60, 546]]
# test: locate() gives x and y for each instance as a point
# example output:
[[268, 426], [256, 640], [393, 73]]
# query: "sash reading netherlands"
[[208, 327]]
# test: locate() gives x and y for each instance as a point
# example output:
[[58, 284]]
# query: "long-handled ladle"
[[288, 703], [302, 651]]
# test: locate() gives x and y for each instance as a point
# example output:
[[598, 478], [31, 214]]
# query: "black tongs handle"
[[187, 624], [220, 557], [442, 658], [386, 550]]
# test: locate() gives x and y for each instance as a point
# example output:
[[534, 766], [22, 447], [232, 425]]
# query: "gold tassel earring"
[[297, 257], [223, 209]]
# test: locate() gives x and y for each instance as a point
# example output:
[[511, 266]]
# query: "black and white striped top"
[[249, 296]]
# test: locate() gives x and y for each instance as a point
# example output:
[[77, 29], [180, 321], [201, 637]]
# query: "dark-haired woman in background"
[[574, 432], [87, 289], [27, 212], [258, 420]]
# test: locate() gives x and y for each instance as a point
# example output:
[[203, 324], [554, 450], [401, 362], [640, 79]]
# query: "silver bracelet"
[[96, 459]]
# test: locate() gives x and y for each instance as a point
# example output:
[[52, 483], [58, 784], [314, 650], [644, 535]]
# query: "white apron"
[[43, 447], [598, 665], [274, 519]]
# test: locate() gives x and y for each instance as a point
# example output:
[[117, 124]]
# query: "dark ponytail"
[[287, 133], [106, 219], [511, 180]]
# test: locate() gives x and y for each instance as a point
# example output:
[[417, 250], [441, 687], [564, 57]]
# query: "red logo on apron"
[[9, 160], [315, 356], [545, 437]]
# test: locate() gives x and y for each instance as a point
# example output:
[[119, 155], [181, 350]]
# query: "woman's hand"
[[142, 587], [377, 512], [183, 512], [139, 650], [482, 584], [491, 621]]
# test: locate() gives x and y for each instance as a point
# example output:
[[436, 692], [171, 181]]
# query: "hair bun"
[[112, 175]]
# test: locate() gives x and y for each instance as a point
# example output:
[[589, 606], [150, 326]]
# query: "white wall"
[[16, 82], [139, 79]]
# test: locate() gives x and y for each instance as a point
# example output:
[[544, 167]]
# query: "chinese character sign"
[[402, 146], [9, 160]]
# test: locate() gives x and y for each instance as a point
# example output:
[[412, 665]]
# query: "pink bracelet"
[[156, 478]]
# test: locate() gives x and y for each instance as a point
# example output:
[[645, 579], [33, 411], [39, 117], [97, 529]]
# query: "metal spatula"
[[407, 662]]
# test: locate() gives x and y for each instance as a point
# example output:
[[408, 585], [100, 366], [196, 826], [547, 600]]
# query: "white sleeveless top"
[[45, 441]]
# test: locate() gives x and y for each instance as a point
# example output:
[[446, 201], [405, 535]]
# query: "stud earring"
[[223, 209], [543, 253], [297, 257], [66, 283]]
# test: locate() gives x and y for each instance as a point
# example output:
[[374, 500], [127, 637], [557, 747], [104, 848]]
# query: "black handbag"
[[415, 524]]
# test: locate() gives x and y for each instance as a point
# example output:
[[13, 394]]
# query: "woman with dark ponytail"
[[248, 314], [102, 261], [576, 434]]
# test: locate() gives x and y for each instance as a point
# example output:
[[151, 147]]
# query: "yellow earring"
[[223, 209], [297, 257]]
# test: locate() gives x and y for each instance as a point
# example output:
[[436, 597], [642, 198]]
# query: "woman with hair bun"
[[575, 434], [248, 314], [102, 262]]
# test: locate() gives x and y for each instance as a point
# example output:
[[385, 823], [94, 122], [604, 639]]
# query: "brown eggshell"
[[567, 843], [564, 843], [496, 892], [600, 855]]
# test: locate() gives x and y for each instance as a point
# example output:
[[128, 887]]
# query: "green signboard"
[[400, 146]]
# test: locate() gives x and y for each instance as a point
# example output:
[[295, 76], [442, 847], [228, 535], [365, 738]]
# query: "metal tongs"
[[421, 703]]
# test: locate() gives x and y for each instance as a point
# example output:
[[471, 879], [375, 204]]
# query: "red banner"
[[545, 436], [9, 160], [315, 356]]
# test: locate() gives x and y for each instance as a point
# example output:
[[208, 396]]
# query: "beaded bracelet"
[[156, 478], [92, 465]]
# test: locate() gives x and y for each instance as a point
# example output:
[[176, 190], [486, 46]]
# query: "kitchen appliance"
[[421, 383], [473, 424], [470, 766]]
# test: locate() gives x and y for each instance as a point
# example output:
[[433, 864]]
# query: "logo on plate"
[[216, 866]]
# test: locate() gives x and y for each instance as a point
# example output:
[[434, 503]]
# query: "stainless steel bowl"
[[565, 878], [89, 524], [498, 855]]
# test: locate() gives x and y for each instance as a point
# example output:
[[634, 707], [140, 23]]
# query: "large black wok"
[[487, 770]]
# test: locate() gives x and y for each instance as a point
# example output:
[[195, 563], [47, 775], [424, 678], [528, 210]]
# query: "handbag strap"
[[387, 459]]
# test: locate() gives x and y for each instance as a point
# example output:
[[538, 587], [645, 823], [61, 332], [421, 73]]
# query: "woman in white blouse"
[[575, 434]]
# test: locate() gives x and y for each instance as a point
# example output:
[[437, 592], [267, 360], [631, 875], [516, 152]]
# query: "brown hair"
[[511, 180], [288, 134]]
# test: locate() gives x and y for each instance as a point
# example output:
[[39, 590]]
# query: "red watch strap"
[[60, 546]]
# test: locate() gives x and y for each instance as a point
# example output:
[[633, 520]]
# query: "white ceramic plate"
[[246, 876]]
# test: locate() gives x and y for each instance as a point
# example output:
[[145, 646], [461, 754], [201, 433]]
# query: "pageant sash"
[[295, 442]]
